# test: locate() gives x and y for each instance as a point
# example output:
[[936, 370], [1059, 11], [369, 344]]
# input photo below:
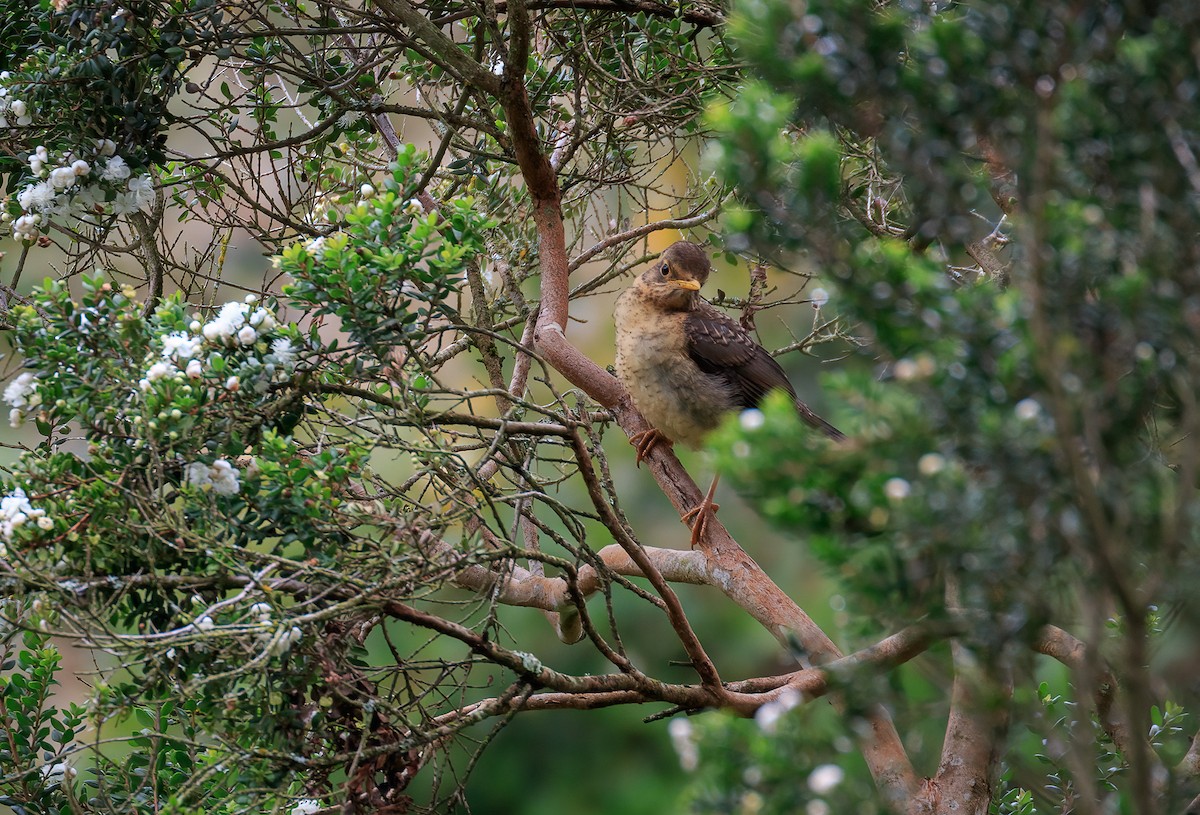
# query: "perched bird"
[[686, 364]]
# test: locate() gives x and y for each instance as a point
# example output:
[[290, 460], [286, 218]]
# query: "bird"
[[687, 365]]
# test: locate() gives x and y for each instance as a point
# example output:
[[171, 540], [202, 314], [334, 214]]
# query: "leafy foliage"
[[256, 510], [1020, 424]]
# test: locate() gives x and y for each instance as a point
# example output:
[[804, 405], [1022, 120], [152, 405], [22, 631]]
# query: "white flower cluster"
[[16, 511], [13, 112], [237, 324], [21, 394], [306, 806], [262, 611], [55, 773], [283, 640], [221, 477], [72, 186]]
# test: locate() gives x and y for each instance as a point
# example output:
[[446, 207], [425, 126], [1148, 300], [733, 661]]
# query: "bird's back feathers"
[[723, 348]]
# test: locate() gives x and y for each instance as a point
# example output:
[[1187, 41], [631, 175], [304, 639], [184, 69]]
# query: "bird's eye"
[[665, 269]]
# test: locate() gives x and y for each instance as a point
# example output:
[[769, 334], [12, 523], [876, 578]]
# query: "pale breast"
[[674, 395]]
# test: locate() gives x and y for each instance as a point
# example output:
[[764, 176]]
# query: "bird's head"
[[676, 278]]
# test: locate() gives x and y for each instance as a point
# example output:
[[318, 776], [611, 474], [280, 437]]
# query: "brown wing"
[[723, 349]]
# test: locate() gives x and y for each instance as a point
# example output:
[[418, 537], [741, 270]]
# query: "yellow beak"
[[690, 285]]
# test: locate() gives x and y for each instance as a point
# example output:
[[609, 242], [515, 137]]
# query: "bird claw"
[[645, 441], [701, 513]]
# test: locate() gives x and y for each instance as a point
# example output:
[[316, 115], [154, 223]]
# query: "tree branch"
[[1072, 652], [977, 723], [454, 58]]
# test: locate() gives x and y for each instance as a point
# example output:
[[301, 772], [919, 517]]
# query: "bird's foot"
[[703, 511], [700, 513], [645, 441]]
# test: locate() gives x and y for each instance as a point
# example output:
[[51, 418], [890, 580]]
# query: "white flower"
[[80, 167], [36, 196], [15, 510], [221, 477], [897, 489], [227, 323], [767, 716], [205, 623], [232, 383], [18, 391], [366, 191], [262, 611], [283, 351], [55, 773], [1028, 409], [142, 188], [263, 320], [62, 177], [16, 417], [752, 419], [20, 110], [823, 779], [195, 369], [159, 370], [305, 806], [233, 313], [125, 203], [931, 464], [106, 147], [45, 522], [819, 297], [61, 205], [197, 475], [181, 345], [315, 246], [247, 335], [283, 641], [684, 742], [905, 370], [115, 169], [224, 477], [25, 228]]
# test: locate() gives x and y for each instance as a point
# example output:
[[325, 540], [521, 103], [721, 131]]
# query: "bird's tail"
[[816, 421]]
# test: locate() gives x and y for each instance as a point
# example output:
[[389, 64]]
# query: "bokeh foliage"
[[1016, 250]]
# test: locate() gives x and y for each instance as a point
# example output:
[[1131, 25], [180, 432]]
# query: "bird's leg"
[[702, 512], [644, 442]]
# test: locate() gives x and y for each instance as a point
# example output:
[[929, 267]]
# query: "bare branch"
[[448, 51]]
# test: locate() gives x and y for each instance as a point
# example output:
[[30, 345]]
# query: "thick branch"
[[1189, 765], [975, 727], [155, 270]]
